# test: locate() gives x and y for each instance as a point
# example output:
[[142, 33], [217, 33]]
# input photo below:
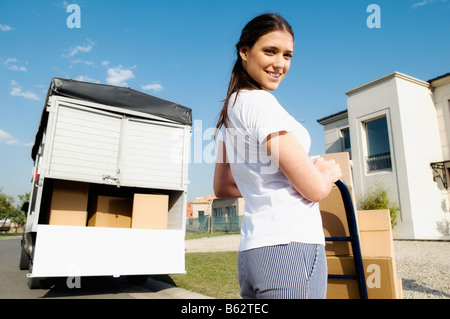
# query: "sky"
[[183, 51]]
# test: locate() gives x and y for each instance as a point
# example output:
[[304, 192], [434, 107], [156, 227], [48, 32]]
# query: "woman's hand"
[[329, 168]]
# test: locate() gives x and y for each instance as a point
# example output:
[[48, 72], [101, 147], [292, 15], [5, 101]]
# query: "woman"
[[262, 156]]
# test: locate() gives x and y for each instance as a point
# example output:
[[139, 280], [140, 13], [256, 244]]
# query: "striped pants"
[[291, 271]]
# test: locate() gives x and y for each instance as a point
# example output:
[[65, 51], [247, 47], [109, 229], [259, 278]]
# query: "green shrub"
[[378, 199]]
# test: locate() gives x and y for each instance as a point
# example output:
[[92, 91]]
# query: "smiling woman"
[[281, 252]]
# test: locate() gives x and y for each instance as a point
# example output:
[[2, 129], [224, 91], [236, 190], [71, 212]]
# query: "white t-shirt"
[[275, 213]]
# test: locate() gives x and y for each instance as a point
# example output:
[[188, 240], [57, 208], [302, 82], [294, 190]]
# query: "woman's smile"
[[274, 75]]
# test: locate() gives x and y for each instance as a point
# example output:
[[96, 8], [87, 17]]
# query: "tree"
[[6, 207], [9, 211], [18, 216]]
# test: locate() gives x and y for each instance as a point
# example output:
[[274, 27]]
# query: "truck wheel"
[[24, 263], [33, 282], [137, 279]]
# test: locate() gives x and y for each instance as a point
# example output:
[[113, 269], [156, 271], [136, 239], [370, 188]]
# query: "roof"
[[204, 200], [332, 117], [388, 77], [121, 97], [439, 77], [342, 114]]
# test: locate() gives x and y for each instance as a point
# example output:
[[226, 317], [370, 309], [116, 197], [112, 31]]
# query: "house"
[[397, 131], [201, 206], [211, 213], [215, 206], [228, 207]]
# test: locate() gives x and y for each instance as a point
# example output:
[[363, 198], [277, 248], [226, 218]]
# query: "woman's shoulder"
[[257, 97], [254, 104], [256, 94]]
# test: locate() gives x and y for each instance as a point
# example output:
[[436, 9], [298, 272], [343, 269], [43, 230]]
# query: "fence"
[[214, 224]]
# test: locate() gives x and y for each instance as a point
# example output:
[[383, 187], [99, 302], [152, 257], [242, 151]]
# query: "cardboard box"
[[108, 211], [334, 216], [69, 203], [376, 233], [380, 275], [334, 222], [399, 288], [68, 218], [150, 211]]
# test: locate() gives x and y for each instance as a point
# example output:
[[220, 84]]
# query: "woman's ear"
[[243, 53]]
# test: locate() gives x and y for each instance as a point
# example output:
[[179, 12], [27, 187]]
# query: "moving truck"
[[109, 187]]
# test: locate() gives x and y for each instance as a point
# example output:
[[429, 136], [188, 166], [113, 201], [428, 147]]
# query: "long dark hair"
[[240, 79]]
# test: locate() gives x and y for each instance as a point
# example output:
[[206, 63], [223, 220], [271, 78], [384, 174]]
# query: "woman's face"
[[268, 61]]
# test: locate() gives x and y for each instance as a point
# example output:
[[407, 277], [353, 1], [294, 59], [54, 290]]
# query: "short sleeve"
[[267, 116]]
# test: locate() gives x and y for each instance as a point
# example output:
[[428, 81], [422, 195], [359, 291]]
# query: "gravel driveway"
[[423, 266]]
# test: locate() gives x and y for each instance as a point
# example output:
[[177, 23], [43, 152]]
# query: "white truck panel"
[[92, 145], [63, 251], [85, 143], [153, 154]]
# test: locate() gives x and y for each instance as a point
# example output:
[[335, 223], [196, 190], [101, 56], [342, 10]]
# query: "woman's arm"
[[312, 180], [224, 183]]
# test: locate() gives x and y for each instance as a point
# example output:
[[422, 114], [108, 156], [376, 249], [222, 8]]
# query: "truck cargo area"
[[109, 187]]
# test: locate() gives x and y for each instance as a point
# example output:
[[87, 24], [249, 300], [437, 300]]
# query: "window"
[[378, 147], [231, 211], [201, 213], [345, 138], [218, 212]]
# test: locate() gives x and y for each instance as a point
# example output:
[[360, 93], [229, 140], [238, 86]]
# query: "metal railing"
[[378, 162]]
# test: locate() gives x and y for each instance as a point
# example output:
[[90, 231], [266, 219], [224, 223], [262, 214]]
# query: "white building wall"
[[414, 138], [333, 137], [364, 104], [441, 95], [201, 207], [421, 147]]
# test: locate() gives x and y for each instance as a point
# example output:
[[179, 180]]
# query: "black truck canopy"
[[121, 97]]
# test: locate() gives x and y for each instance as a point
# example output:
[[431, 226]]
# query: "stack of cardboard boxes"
[[73, 205], [376, 242]]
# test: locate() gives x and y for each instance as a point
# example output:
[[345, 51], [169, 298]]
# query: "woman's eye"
[[269, 51]]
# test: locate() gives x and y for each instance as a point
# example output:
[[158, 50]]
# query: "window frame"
[[365, 141]]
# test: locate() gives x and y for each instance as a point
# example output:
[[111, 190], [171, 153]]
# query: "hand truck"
[[353, 238]]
